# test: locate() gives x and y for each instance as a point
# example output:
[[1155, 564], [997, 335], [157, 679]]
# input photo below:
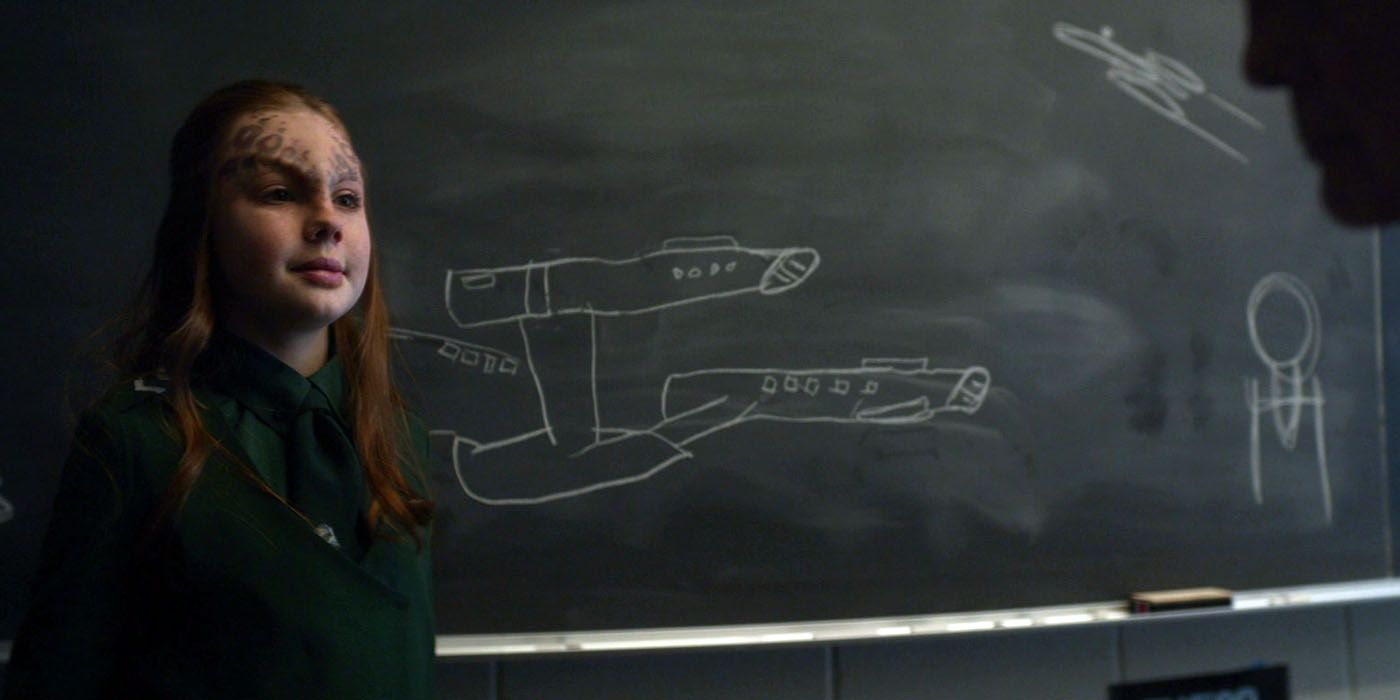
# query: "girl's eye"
[[348, 200], [277, 194]]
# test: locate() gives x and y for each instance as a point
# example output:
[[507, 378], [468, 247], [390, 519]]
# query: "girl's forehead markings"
[[301, 158], [246, 135], [243, 165], [269, 144], [262, 142], [339, 176]]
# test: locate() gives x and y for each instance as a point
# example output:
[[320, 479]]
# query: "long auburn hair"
[[173, 317]]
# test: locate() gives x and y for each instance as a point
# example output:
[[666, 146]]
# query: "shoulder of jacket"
[[142, 396]]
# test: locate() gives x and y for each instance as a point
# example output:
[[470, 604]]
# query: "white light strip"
[[836, 631], [1074, 619], [510, 649], [894, 631], [972, 626], [1318, 595], [665, 643]]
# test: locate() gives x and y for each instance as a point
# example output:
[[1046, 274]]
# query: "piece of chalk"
[[1179, 599]]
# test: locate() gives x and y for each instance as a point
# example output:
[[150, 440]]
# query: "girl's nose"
[[323, 229], [323, 226]]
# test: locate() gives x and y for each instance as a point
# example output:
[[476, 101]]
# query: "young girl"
[[243, 516]]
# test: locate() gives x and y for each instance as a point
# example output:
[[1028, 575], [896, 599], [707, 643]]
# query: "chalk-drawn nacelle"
[[470, 356], [880, 391], [481, 391], [684, 271]]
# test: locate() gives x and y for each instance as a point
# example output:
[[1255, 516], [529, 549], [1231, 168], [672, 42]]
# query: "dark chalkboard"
[[730, 312]]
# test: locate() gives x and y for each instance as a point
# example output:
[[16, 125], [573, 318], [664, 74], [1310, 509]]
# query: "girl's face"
[[288, 233]]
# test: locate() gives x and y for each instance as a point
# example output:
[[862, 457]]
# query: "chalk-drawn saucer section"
[[533, 471], [684, 271], [888, 391]]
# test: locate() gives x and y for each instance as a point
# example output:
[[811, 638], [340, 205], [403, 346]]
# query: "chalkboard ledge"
[[832, 631]]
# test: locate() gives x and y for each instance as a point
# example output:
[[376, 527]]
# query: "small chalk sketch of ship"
[[1293, 391]]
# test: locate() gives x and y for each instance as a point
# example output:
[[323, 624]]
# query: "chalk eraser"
[[1179, 599]]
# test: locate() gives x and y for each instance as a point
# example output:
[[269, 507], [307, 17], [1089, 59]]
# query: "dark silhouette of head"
[[1340, 61]]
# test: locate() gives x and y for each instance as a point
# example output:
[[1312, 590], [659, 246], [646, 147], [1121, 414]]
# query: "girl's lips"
[[322, 272], [322, 277], [326, 264]]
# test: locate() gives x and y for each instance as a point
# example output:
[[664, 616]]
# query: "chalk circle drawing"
[[1159, 82], [1293, 388], [693, 405], [7, 511]]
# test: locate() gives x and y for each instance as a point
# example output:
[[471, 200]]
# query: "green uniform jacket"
[[244, 600]]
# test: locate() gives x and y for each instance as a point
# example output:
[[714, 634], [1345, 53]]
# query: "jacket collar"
[[271, 390]]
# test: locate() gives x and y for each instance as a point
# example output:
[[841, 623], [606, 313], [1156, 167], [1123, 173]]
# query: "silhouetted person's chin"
[[1356, 197], [1356, 189]]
